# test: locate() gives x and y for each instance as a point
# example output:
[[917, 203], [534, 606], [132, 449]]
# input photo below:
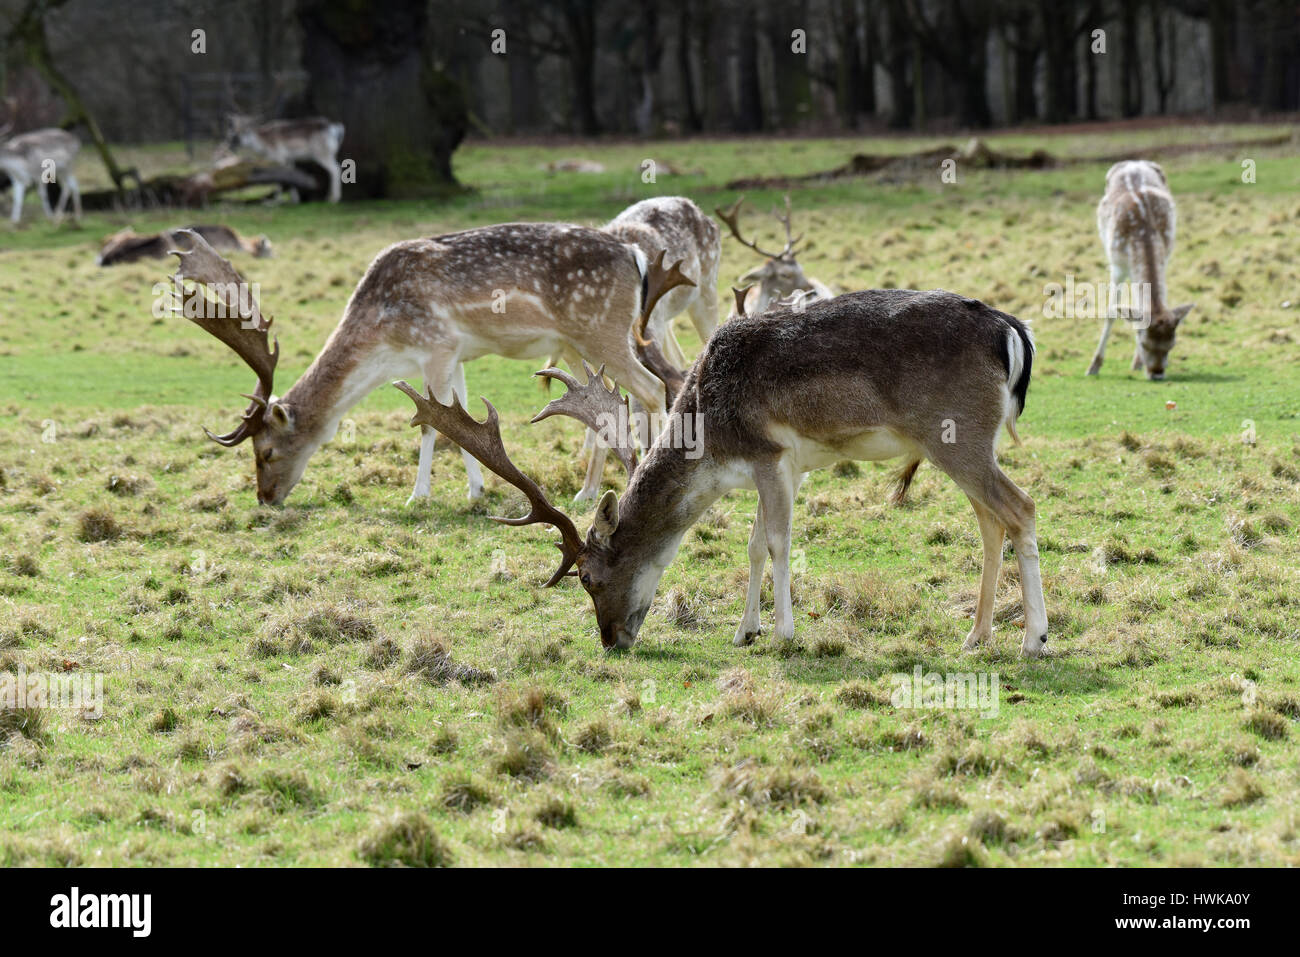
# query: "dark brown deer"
[[869, 375]]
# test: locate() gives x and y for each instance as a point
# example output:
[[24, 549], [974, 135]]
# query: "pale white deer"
[[780, 276], [869, 375], [425, 307], [37, 158], [1136, 219], [313, 139]]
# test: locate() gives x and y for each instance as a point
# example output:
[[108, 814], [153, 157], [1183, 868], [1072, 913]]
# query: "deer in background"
[[128, 246], [781, 275], [314, 139], [870, 375], [425, 307], [29, 158], [1136, 220], [676, 227]]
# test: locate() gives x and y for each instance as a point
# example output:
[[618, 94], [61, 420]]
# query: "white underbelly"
[[871, 445]]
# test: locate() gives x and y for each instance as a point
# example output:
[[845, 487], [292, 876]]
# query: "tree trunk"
[[750, 115], [849, 85], [522, 66], [1130, 67], [580, 19], [715, 54], [371, 70], [898, 61], [789, 69], [694, 122]]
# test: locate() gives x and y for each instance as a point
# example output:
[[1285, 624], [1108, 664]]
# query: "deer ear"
[[279, 416], [606, 516], [1179, 313]]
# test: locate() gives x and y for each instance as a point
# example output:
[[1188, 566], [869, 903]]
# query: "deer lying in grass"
[[869, 375], [30, 159], [781, 275], [314, 139], [425, 307], [128, 246], [1136, 219]]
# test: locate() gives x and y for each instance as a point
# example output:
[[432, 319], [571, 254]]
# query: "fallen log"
[[196, 190]]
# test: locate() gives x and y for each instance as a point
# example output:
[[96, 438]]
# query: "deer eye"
[[586, 579]]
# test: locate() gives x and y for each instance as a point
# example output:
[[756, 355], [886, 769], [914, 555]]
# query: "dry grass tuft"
[[98, 525], [407, 839], [430, 659]]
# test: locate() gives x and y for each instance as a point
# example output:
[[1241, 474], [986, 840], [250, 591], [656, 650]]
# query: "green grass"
[[349, 681]]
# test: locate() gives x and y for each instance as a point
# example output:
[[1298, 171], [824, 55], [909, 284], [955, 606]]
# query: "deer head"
[[1156, 335], [781, 275], [236, 319], [608, 576]]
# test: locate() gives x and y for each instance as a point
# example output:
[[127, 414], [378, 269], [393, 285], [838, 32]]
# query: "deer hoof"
[[975, 639], [1094, 368], [746, 636], [1034, 647]]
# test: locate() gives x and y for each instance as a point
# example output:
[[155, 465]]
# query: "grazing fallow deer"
[[1136, 219], [425, 307], [30, 158], [128, 246], [781, 275], [314, 139], [868, 375]]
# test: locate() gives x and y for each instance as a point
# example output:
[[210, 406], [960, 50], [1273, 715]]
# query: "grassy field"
[[350, 681]]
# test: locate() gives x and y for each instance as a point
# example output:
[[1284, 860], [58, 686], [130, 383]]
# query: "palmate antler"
[[239, 324], [483, 441], [731, 216], [659, 280], [602, 410]]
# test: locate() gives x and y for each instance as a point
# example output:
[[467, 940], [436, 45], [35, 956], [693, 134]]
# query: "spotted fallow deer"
[[868, 375], [676, 227], [37, 158], [781, 275], [314, 139], [425, 307], [1136, 219]]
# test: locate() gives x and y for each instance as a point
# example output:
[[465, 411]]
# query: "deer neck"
[[339, 378], [671, 489], [1148, 255]]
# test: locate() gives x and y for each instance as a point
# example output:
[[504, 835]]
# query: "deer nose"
[[1156, 376]]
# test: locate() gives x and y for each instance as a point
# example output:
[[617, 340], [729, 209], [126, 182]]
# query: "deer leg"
[[1117, 275], [75, 187], [750, 624], [424, 470], [596, 455], [1138, 364], [336, 181], [991, 533], [1100, 355], [19, 189], [471, 464], [1015, 511], [776, 488], [43, 191], [704, 310]]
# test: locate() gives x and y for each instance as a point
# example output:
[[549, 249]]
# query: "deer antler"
[[731, 216], [785, 221], [483, 441], [239, 324], [740, 295], [601, 410], [659, 281]]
